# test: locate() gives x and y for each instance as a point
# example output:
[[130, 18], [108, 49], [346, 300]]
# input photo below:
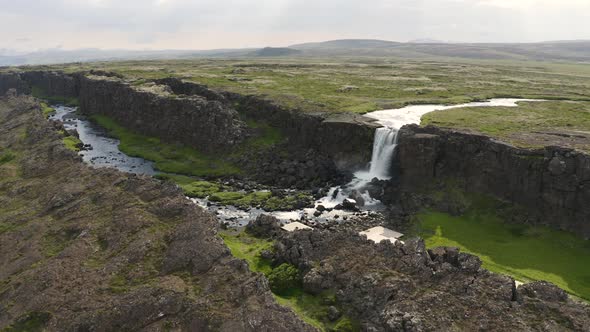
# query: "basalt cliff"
[[551, 185]]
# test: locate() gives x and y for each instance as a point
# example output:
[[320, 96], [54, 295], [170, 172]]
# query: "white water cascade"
[[383, 150], [385, 142]]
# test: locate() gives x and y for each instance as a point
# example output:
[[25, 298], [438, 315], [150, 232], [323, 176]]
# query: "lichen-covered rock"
[[85, 249]]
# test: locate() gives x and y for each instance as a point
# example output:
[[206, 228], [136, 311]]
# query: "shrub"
[[284, 278], [345, 325]]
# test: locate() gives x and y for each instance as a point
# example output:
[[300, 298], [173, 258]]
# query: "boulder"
[[264, 226]]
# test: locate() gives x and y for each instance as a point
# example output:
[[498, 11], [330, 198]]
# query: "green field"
[[524, 252], [364, 84], [532, 124]]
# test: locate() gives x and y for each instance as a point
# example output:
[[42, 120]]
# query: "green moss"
[[38, 92], [72, 143], [241, 199], [168, 157], [226, 196], [313, 309], [119, 284], [289, 202], [524, 252], [345, 324], [191, 186], [46, 110], [31, 322], [248, 247], [6, 156], [267, 135], [284, 278]]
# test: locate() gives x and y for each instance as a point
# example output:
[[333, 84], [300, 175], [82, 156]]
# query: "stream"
[[103, 151]]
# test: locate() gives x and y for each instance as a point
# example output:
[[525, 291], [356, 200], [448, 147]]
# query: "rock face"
[[194, 121], [553, 184], [405, 287], [345, 138], [209, 120], [98, 250], [53, 83], [13, 81]]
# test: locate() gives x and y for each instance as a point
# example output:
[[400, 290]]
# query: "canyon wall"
[[553, 183], [344, 137], [53, 83], [154, 111], [317, 147]]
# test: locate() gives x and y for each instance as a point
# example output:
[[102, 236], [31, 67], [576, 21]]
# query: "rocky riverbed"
[[331, 206]]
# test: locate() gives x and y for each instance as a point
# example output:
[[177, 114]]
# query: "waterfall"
[[383, 149]]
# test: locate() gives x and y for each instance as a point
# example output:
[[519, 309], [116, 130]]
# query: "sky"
[[27, 25]]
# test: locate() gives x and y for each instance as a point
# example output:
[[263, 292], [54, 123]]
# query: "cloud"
[[201, 24]]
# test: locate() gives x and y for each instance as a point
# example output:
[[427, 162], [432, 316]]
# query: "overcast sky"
[[208, 24]]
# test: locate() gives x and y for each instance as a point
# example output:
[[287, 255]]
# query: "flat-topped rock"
[[378, 234]]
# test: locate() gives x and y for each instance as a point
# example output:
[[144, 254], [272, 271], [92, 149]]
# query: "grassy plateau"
[[363, 84]]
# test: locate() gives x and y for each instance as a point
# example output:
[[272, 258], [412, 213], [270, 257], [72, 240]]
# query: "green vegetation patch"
[[46, 110], [192, 187], [6, 156], [247, 247], [364, 84], [284, 278], [229, 196], [170, 158], [507, 123], [72, 143], [38, 92], [287, 203], [31, 322], [241, 200], [285, 283], [524, 252], [267, 135]]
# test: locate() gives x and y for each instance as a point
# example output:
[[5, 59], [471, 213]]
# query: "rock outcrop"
[[86, 249], [404, 287], [552, 184]]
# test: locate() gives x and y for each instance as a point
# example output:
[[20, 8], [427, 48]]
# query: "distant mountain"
[[551, 51], [275, 51], [576, 50], [426, 41], [346, 44]]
